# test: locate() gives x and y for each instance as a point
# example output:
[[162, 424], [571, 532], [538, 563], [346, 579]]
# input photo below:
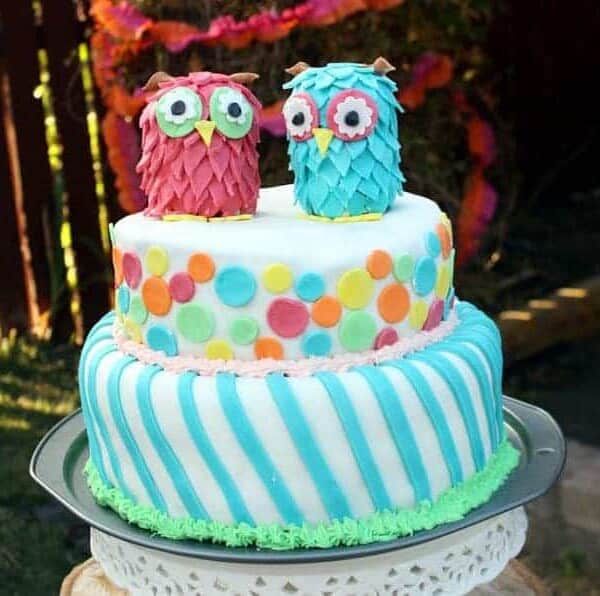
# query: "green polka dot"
[[195, 322], [243, 331], [137, 311], [403, 267], [357, 331]]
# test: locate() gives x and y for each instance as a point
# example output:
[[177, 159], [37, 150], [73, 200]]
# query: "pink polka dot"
[[132, 269], [182, 287], [287, 317], [386, 337], [434, 317]]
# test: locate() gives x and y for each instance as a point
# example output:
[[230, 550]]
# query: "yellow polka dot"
[[443, 282], [218, 349], [157, 260], [133, 330], [277, 278], [355, 288], [446, 221], [418, 315]]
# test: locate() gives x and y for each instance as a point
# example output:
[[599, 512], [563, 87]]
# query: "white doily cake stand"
[[453, 564]]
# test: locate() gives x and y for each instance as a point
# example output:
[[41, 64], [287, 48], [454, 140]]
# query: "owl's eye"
[[177, 111], [231, 112], [301, 116], [352, 115]]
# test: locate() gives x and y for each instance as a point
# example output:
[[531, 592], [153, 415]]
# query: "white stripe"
[[331, 439], [423, 431], [379, 439], [270, 427]]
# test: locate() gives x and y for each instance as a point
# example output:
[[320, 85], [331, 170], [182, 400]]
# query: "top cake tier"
[[281, 286]]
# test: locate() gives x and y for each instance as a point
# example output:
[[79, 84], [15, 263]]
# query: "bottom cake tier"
[[367, 454]]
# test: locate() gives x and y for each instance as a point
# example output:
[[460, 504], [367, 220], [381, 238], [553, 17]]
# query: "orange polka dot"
[[117, 257], [156, 296], [326, 311], [379, 264], [268, 347], [201, 267], [444, 236], [393, 303]]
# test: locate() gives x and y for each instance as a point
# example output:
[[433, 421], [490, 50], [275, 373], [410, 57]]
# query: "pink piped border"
[[293, 368]]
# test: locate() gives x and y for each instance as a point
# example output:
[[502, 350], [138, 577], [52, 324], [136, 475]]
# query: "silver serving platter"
[[58, 461]]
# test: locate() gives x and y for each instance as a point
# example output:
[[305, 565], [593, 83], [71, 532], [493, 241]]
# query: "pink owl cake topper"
[[199, 136]]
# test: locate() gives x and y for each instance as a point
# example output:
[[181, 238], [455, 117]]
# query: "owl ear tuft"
[[297, 68], [156, 79], [244, 78], [382, 66]]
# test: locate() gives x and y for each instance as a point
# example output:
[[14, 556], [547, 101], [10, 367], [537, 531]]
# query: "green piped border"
[[451, 506]]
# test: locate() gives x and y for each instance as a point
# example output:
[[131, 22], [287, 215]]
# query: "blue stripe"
[[331, 494], [256, 453], [400, 430], [116, 408], [446, 369], [95, 408], [167, 455], [185, 392], [436, 414], [356, 437]]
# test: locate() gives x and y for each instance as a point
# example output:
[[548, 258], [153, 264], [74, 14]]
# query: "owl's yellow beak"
[[323, 138], [205, 129]]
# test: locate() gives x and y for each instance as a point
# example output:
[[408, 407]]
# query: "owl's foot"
[[190, 217], [345, 218]]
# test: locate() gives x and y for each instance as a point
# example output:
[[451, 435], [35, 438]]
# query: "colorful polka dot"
[[355, 289], [379, 264], [132, 270], [403, 267], [434, 317], [117, 259], [235, 286], [444, 236], [287, 317], [161, 339], [424, 276], [243, 331], [393, 303], [201, 267], [326, 311], [357, 331], [157, 260], [317, 343], [133, 330], [156, 296], [443, 282], [418, 315], [218, 349], [386, 337], [268, 347], [277, 278], [195, 322], [448, 225], [434, 246], [123, 299], [182, 287], [310, 286], [137, 311]]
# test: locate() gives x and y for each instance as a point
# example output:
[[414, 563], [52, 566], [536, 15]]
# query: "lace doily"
[[453, 564]]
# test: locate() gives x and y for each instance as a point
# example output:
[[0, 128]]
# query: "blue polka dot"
[[424, 276], [310, 287], [123, 299], [235, 286], [434, 246], [316, 343], [448, 304], [161, 339]]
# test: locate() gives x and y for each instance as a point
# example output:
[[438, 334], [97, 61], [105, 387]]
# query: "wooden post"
[[63, 33]]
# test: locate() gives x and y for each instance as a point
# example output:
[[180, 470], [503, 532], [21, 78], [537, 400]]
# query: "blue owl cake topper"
[[342, 128]]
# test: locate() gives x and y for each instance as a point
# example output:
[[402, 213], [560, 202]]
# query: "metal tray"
[[57, 465]]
